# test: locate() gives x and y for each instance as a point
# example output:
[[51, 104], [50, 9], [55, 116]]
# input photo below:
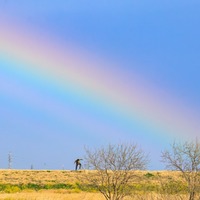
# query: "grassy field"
[[64, 185]]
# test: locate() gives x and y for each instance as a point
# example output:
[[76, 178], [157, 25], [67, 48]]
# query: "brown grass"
[[50, 195], [70, 177], [37, 176]]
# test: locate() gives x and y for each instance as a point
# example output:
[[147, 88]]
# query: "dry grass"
[[37, 176], [50, 195], [68, 176], [43, 177]]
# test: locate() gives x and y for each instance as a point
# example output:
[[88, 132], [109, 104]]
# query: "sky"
[[76, 74]]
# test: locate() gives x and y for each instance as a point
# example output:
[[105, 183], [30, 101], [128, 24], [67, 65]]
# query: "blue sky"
[[159, 40], [162, 35]]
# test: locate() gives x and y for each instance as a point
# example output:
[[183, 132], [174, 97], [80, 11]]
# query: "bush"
[[11, 189], [149, 175], [174, 187]]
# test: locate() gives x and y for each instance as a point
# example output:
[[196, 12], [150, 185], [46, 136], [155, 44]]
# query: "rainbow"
[[92, 81]]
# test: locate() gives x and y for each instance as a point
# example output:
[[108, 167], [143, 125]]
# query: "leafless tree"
[[113, 169], [185, 157]]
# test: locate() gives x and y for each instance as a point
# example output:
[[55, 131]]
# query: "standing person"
[[78, 163]]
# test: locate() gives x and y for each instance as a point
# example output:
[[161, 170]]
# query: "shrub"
[[149, 175]]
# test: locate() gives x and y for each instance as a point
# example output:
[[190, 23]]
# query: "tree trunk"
[[192, 195]]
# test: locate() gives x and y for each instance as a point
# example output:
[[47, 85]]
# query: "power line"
[[9, 160]]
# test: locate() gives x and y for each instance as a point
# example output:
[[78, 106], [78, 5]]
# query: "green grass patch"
[[171, 187], [149, 175]]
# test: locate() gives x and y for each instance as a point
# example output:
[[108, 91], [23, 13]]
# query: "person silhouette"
[[78, 163]]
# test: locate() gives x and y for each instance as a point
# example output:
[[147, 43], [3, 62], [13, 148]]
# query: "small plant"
[[149, 175]]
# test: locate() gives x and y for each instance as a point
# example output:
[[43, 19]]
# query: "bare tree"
[[114, 167], [185, 157]]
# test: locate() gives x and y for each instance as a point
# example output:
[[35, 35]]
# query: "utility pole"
[[9, 160]]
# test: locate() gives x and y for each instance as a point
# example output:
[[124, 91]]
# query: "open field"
[[70, 176], [81, 196], [64, 185]]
